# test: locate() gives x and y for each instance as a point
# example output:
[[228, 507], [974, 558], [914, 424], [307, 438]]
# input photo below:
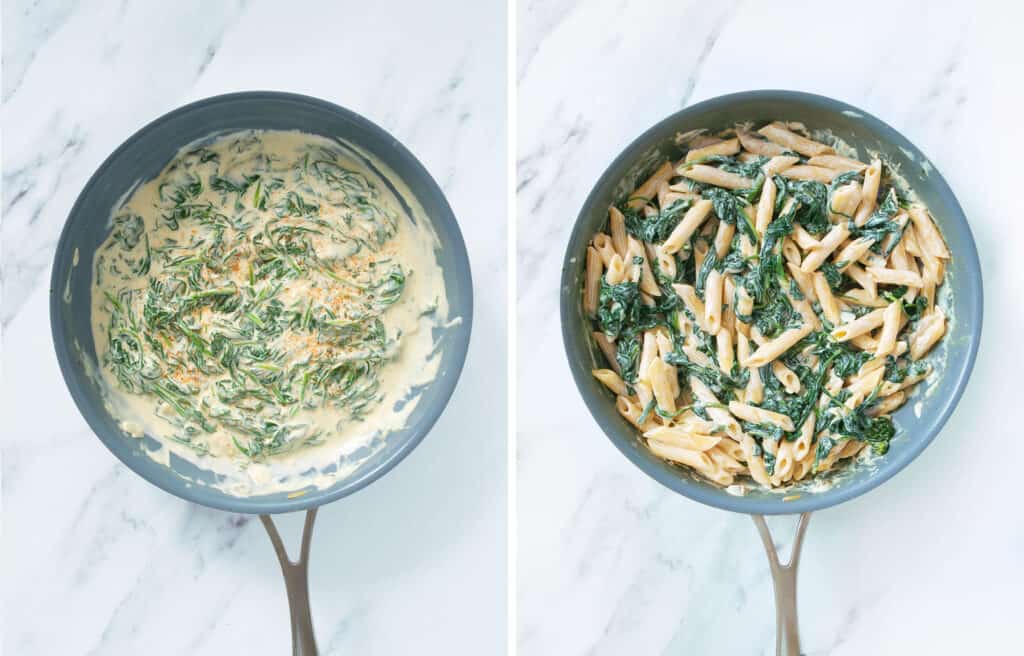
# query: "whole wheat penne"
[[608, 349], [860, 326], [928, 235], [632, 412], [890, 328], [661, 375], [837, 162], [790, 381], [685, 439], [869, 193], [727, 147], [765, 207], [851, 252], [760, 415], [592, 281], [649, 188], [693, 219], [779, 164], [617, 229], [759, 146], [808, 172], [611, 380], [713, 302], [828, 244], [826, 299], [781, 135], [726, 355], [776, 347], [864, 279], [697, 459], [715, 176], [895, 277], [930, 330], [603, 244]]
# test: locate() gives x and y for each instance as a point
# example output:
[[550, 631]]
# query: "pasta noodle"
[[770, 329]]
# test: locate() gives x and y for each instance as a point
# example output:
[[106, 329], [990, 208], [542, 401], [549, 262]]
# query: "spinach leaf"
[[832, 276], [655, 229], [896, 370], [881, 224], [812, 212], [842, 179], [710, 262], [857, 424], [627, 355], [617, 307], [729, 209], [721, 384]]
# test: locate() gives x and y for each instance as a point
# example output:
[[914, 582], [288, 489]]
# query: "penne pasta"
[[890, 327], [699, 370], [759, 146], [649, 188], [765, 207], [837, 162], [603, 244], [928, 236], [692, 220], [808, 172], [592, 285], [930, 330], [608, 349], [869, 193], [611, 380], [693, 303], [792, 141], [828, 244], [682, 438], [617, 230], [727, 147], [895, 276], [860, 326], [661, 375], [714, 176], [713, 302], [779, 164], [776, 347], [790, 381], [827, 301]]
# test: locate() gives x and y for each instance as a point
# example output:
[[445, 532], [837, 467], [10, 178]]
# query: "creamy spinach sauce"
[[261, 297]]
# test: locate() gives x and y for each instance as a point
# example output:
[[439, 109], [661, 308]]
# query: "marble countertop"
[[97, 561], [612, 563]]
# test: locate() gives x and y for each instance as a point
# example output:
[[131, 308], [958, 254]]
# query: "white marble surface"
[[612, 563], [97, 561]]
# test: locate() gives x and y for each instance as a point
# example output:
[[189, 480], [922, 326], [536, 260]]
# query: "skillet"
[[955, 355]]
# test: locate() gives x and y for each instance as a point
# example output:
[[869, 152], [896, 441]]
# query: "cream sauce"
[[325, 440]]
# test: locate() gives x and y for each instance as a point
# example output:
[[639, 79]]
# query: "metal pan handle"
[[787, 631], [296, 581]]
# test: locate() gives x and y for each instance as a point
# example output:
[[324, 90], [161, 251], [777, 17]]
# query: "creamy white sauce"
[[414, 354]]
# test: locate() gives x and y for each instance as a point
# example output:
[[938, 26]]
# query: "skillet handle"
[[296, 581], [787, 630]]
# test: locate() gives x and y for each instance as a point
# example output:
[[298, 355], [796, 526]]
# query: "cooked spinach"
[[200, 313], [729, 209], [657, 228]]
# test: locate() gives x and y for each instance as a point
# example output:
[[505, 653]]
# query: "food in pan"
[[263, 296], [765, 303]]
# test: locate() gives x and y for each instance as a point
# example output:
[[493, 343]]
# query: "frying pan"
[[954, 357], [142, 157]]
